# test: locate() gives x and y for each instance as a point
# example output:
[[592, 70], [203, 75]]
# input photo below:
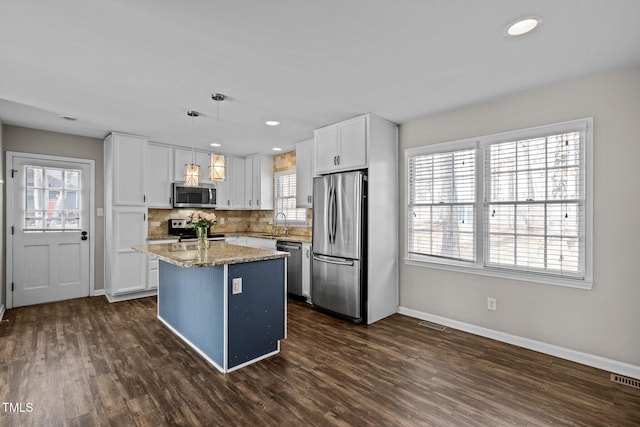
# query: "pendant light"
[[217, 166], [192, 170]]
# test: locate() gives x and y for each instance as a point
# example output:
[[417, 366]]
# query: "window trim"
[[481, 143]]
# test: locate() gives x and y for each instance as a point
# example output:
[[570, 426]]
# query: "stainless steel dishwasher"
[[294, 265]]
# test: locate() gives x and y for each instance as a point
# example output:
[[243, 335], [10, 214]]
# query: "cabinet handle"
[[258, 202], [334, 160], [144, 217], [338, 159], [250, 201], [144, 198]]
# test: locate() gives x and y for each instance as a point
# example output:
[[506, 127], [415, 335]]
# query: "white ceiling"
[[138, 66]]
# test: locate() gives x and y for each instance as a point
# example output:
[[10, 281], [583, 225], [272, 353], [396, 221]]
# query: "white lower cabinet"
[[256, 242], [306, 270], [236, 240], [125, 269], [153, 275]]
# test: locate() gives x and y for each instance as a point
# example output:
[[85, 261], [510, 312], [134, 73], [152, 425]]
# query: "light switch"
[[236, 285], [100, 212]]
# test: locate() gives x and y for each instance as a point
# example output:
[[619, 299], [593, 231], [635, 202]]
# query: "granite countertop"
[[219, 253], [289, 238]]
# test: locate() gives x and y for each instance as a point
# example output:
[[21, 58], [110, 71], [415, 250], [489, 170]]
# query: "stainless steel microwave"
[[203, 196]]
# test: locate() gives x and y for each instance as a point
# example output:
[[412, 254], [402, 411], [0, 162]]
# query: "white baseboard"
[[132, 295], [550, 349], [97, 292], [1, 311]]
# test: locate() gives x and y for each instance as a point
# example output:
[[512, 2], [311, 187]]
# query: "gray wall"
[[59, 144], [603, 321], [2, 261]]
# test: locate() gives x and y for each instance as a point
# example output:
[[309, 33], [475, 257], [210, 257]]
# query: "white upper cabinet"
[[236, 174], [127, 160], [341, 146], [185, 156], [259, 182], [304, 174], [159, 175]]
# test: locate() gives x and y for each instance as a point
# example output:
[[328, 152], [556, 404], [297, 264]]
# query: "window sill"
[[462, 267]]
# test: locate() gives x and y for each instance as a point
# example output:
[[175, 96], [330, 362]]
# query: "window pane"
[[530, 219], [502, 250], [563, 220], [564, 183], [531, 185], [564, 255], [33, 176], [53, 178], [503, 187], [72, 180], [530, 252], [34, 199], [33, 219], [501, 219]]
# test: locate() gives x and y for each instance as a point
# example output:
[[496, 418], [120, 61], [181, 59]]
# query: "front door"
[[49, 228]]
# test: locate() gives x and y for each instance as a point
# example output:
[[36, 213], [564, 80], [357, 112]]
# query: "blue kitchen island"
[[228, 302]]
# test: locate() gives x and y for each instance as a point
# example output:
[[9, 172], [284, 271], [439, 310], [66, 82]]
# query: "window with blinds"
[[516, 204], [441, 204], [285, 198], [535, 205]]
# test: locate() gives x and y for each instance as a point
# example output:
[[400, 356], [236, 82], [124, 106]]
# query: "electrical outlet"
[[221, 221], [492, 304], [236, 285]]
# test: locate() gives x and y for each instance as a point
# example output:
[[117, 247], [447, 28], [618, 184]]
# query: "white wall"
[[604, 321]]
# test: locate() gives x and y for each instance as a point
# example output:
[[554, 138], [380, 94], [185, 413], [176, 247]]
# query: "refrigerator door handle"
[[333, 260], [330, 215], [334, 225]]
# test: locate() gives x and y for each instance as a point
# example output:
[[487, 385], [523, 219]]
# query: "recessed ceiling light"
[[215, 144], [272, 123], [522, 26], [68, 117], [277, 149]]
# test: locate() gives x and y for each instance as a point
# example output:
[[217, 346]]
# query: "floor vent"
[[432, 325], [625, 380]]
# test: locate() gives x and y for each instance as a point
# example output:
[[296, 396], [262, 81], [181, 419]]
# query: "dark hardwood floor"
[[88, 362]]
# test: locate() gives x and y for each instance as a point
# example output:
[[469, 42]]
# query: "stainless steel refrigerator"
[[338, 281]]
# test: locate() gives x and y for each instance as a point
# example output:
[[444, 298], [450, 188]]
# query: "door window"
[[52, 199]]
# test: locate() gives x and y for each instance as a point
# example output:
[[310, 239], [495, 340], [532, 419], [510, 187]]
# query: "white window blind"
[[441, 204], [535, 205], [516, 204], [285, 199]]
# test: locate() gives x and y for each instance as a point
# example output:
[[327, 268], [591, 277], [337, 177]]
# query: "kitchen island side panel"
[[257, 315], [191, 300]]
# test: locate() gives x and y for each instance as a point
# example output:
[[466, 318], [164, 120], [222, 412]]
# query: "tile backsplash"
[[235, 221]]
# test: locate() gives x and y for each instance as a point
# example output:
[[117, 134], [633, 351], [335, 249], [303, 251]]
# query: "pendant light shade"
[[192, 170], [192, 175], [217, 168]]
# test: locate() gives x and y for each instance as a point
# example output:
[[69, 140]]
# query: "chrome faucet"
[[285, 230]]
